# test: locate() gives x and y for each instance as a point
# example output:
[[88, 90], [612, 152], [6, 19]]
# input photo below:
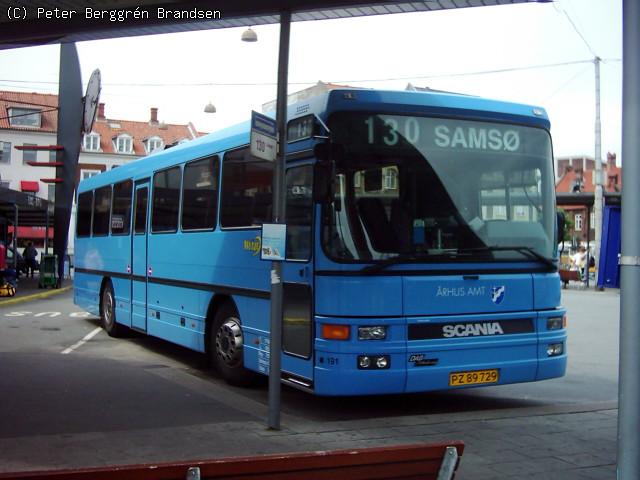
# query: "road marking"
[[84, 340], [35, 296], [24, 313]]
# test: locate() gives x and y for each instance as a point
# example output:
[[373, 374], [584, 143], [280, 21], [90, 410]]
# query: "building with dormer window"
[[123, 143], [91, 142], [577, 175], [153, 143], [32, 119]]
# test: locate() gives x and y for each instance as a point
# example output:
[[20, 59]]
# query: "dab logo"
[[252, 245], [497, 294]]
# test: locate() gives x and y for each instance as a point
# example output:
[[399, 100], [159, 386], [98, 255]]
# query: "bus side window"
[[140, 225], [121, 209], [83, 223], [246, 190], [299, 212], [166, 200], [102, 211], [200, 194]]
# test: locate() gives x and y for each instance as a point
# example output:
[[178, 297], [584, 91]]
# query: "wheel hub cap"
[[229, 342]]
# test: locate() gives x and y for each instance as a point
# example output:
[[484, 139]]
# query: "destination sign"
[[358, 131]]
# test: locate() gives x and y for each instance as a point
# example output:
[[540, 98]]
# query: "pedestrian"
[[7, 274], [580, 261], [3, 257], [30, 253]]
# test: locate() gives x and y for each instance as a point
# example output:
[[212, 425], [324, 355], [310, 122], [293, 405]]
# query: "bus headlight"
[[364, 362], [382, 362], [555, 349], [555, 323], [373, 362], [378, 332]]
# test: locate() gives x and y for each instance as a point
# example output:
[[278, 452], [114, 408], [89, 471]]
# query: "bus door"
[[297, 309], [139, 256]]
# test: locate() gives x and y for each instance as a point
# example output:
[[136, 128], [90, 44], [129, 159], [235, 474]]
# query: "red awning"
[[32, 233], [27, 186]]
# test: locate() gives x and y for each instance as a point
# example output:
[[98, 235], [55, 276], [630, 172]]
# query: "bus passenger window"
[[83, 223], [166, 200], [200, 194], [140, 225], [121, 210], [102, 211], [299, 212], [246, 190]]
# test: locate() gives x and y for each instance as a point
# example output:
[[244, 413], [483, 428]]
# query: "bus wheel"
[[227, 347], [108, 312]]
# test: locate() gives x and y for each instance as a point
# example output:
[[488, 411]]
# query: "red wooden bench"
[[567, 276], [437, 461]]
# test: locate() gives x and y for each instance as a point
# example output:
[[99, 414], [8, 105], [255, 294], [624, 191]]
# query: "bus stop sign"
[[263, 136]]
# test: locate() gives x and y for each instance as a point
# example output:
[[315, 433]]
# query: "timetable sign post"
[[263, 137]]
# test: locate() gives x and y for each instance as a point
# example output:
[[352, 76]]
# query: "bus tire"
[[108, 312], [226, 347]]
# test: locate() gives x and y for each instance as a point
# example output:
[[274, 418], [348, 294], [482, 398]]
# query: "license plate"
[[474, 377]]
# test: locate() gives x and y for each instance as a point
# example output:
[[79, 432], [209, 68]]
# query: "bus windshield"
[[437, 189]]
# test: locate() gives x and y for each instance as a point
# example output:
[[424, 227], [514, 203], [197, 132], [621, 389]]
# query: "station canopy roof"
[[27, 23], [32, 210]]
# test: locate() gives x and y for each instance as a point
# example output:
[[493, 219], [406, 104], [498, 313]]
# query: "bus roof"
[[323, 105], [422, 103]]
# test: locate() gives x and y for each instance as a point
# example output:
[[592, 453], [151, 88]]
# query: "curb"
[[35, 296]]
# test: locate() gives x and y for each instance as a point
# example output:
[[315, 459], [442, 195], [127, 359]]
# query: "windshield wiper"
[[416, 257], [454, 253], [527, 251], [413, 257]]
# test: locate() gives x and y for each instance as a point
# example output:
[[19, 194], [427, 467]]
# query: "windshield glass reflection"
[[426, 188]]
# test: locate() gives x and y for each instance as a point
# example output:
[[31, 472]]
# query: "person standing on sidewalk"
[[30, 253], [3, 257], [7, 276]]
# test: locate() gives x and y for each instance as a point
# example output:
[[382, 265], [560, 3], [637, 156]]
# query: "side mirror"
[[322, 151], [560, 226], [327, 154], [323, 173]]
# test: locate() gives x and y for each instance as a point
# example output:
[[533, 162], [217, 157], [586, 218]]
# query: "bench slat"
[[404, 462]]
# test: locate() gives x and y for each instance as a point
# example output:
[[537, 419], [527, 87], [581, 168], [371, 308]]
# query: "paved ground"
[[27, 290], [550, 440]]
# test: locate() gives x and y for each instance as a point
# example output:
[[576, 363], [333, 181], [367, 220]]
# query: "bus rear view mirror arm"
[[323, 173]]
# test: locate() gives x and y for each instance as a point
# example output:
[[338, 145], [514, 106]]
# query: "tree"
[[569, 225]]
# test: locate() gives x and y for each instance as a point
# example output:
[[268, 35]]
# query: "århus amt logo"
[[497, 294]]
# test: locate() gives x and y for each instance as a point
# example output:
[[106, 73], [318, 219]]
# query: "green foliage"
[[568, 225]]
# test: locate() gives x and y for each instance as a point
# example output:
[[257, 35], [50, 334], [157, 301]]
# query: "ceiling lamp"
[[249, 36]]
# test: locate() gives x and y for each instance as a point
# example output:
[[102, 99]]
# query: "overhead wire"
[[311, 82], [577, 30]]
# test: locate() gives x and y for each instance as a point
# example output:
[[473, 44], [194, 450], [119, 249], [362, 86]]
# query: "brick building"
[[32, 119], [577, 175]]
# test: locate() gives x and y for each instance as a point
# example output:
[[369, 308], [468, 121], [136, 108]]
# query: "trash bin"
[[48, 269]]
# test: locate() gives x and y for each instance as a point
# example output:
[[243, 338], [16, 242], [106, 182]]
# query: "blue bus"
[[421, 249]]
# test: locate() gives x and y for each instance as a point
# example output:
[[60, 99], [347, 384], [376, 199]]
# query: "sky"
[[463, 50]]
